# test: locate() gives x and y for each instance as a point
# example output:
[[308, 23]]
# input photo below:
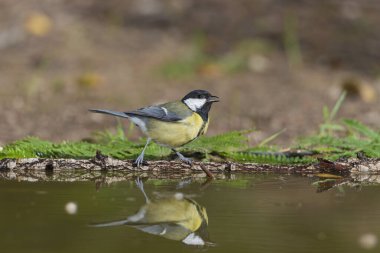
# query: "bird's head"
[[199, 100]]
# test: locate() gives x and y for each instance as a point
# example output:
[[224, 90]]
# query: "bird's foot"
[[186, 160], [139, 161], [139, 184]]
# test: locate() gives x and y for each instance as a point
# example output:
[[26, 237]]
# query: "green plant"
[[342, 138], [328, 127]]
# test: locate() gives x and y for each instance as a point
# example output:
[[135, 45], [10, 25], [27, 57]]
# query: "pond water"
[[249, 213]]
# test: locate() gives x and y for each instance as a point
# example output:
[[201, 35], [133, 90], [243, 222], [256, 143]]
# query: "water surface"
[[251, 213]]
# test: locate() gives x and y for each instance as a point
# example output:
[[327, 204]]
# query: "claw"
[[184, 159], [140, 185], [140, 159]]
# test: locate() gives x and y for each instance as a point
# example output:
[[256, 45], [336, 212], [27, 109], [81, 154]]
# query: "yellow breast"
[[175, 134]]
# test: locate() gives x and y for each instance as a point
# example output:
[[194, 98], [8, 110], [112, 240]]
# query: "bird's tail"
[[110, 224], [119, 114]]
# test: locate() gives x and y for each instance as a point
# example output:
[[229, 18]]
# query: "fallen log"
[[35, 169]]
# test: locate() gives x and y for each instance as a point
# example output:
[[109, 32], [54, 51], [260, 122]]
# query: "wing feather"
[[170, 112], [157, 112]]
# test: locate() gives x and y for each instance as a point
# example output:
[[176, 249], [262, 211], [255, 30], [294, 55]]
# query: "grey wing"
[[157, 112]]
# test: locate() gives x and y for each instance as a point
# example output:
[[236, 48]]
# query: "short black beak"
[[213, 99]]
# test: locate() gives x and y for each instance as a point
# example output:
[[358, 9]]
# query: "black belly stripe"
[[198, 207], [204, 119], [201, 129]]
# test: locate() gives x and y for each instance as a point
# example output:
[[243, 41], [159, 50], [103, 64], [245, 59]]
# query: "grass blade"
[[337, 105]]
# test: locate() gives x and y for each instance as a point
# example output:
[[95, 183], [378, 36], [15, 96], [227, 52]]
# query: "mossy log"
[[35, 169]]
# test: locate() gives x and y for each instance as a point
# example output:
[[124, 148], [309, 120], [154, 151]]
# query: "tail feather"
[[119, 114], [110, 224]]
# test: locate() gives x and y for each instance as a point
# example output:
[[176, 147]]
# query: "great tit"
[[174, 217], [172, 124]]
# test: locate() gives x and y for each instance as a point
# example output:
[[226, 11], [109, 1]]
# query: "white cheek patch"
[[195, 103], [193, 239]]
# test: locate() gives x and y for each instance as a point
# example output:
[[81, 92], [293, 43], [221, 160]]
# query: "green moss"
[[230, 146]]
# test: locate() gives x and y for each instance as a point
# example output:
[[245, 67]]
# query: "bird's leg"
[[140, 159], [140, 185], [189, 161]]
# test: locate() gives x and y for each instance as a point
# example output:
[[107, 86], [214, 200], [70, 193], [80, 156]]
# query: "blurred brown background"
[[273, 63]]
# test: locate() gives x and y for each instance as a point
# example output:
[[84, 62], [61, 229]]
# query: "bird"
[[173, 216], [172, 124]]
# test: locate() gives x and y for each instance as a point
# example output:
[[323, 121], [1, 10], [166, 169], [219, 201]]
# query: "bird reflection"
[[174, 217]]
